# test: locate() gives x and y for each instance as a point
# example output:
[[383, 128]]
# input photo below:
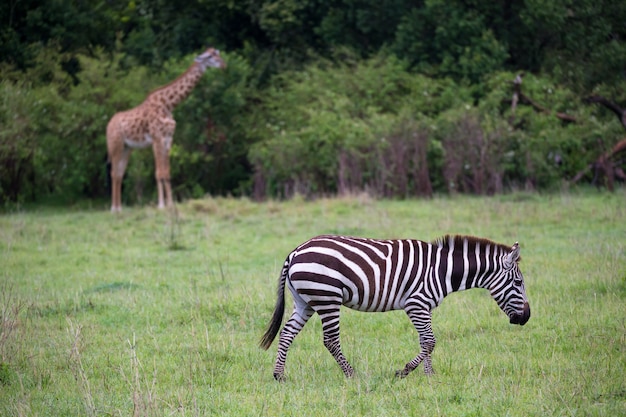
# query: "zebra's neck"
[[462, 263]]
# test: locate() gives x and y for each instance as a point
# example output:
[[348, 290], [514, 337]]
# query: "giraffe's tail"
[[107, 161]]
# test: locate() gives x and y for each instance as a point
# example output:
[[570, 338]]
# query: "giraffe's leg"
[[162, 174], [167, 189], [160, 187], [116, 190], [421, 320], [330, 326], [166, 182], [296, 322], [119, 161], [161, 146]]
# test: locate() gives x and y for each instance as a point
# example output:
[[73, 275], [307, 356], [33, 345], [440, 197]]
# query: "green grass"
[[153, 313]]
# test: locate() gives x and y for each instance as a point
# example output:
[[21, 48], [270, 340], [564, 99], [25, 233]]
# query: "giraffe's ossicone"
[[151, 124]]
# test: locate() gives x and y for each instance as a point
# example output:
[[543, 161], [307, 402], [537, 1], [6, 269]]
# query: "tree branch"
[[604, 166], [519, 96], [619, 112]]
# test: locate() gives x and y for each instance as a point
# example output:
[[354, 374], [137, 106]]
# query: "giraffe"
[[152, 123]]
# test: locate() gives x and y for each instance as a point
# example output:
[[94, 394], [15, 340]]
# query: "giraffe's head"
[[210, 58], [510, 293]]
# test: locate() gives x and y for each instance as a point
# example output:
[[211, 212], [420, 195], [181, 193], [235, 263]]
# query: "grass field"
[[153, 313]]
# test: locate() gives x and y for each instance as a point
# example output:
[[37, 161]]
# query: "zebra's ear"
[[514, 255]]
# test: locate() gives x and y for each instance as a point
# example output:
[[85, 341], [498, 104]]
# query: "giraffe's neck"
[[173, 93]]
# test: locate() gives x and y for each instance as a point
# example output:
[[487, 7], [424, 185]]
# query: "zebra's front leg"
[[421, 320], [330, 327], [291, 329]]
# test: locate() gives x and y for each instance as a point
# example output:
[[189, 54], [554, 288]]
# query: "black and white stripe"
[[381, 275]]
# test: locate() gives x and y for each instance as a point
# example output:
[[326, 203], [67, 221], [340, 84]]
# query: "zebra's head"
[[509, 291]]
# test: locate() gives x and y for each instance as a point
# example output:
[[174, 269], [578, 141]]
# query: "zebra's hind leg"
[[330, 327], [291, 329], [421, 320]]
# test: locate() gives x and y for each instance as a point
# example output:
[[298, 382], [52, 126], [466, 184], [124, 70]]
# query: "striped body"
[[382, 275]]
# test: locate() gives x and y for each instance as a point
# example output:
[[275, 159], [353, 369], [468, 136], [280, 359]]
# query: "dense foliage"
[[319, 97]]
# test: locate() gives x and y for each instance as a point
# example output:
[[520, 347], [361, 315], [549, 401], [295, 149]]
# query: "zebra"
[[373, 275]]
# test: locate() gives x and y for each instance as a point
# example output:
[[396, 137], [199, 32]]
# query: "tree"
[[449, 38], [582, 43], [72, 26]]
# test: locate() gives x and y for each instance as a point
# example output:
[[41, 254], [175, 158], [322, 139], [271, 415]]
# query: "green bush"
[[211, 142], [348, 127], [373, 126], [331, 128], [543, 150], [17, 142], [57, 133], [55, 140]]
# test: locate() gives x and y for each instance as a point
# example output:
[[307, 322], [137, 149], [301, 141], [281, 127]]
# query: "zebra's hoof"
[[279, 377], [402, 373]]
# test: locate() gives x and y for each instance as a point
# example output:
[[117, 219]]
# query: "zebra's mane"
[[472, 241]]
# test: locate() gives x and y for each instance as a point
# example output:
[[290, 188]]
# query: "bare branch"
[[603, 165], [519, 96], [619, 111]]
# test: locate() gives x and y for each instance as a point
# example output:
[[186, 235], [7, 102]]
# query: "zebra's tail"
[[279, 310]]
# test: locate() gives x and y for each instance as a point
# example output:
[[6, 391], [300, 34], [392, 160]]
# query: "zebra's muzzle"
[[522, 318]]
